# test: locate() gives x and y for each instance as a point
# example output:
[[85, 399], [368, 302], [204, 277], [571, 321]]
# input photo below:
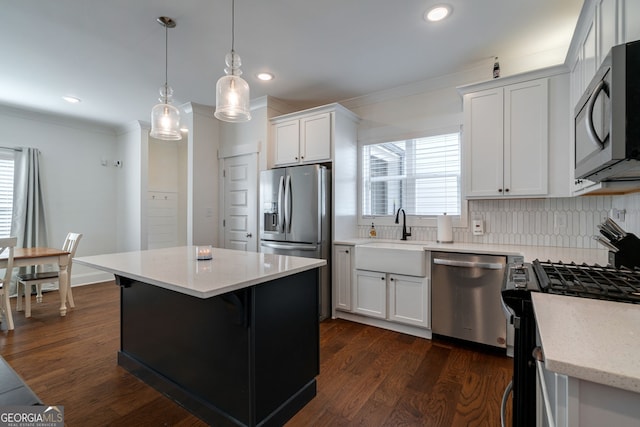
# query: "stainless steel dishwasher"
[[465, 296]]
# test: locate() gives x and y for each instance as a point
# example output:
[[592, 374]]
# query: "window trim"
[[8, 156], [460, 221]]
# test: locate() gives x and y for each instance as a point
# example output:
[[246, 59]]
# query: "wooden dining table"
[[24, 257]]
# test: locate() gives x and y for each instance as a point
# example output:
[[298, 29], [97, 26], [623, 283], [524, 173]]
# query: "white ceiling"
[[111, 53]]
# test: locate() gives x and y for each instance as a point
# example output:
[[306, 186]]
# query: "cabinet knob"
[[499, 190], [391, 279], [347, 251], [296, 158], [301, 157], [506, 190], [382, 278], [249, 235]]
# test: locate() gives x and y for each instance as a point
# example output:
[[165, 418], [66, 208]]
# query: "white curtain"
[[28, 222]]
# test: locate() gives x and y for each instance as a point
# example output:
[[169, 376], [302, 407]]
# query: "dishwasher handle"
[[469, 264]]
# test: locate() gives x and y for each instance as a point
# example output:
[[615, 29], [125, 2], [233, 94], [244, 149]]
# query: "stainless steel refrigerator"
[[296, 218]]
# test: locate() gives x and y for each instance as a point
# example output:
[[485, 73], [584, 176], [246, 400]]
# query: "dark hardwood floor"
[[368, 376]]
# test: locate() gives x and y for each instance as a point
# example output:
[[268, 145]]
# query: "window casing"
[[420, 175], [6, 193]]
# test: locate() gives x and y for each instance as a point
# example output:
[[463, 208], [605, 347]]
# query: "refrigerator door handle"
[[280, 206], [287, 204], [297, 246]]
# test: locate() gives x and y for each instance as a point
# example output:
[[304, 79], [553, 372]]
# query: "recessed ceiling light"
[[71, 99], [265, 77], [437, 13]]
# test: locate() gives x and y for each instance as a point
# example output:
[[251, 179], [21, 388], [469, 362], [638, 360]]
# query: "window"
[[421, 175], [6, 193]]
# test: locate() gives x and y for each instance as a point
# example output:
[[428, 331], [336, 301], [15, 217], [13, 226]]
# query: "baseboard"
[[90, 278]]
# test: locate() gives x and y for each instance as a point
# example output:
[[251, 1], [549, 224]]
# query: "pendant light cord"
[[233, 24], [166, 55]]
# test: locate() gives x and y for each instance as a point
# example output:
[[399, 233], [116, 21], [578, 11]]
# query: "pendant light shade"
[[165, 118], [232, 92]]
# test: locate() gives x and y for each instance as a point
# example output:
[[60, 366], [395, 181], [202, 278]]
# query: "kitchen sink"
[[390, 257]]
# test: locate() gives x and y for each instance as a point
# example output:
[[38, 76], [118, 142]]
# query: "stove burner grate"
[[589, 281]]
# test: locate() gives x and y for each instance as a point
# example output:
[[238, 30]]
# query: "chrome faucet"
[[404, 224]]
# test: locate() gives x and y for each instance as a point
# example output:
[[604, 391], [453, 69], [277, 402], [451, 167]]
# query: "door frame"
[[234, 151]]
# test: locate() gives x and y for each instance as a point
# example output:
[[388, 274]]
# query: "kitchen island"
[[234, 339]]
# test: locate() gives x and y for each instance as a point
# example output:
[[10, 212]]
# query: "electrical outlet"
[[559, 220], [617, 214]]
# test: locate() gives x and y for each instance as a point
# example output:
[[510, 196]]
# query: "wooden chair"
[[7, 244], [26, 281]]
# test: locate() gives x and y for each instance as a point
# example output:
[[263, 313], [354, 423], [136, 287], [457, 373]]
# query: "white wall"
[[202, 181], [80, 194], [133, 152]]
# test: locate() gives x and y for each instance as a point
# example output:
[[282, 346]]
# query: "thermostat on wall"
[[477, 225]]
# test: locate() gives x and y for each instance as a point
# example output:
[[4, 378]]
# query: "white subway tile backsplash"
[[568, 222]]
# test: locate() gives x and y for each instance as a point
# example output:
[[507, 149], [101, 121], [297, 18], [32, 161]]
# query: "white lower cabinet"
[[370, 294], [409, 300], [574, 402], [342, 272], [395, 297]]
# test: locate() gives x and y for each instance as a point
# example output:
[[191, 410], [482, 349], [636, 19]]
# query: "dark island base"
[[245, 358], [205, 411]]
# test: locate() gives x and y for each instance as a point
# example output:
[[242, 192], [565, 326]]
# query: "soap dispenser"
[[372, 231]]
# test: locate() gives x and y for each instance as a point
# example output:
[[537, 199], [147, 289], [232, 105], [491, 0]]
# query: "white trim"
[[240, 149], [461, 221], [385, 324]]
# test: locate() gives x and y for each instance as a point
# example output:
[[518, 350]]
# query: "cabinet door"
[[286, 137], [607, 28], [589, 56], [526, 139], [342, 277], [483, 127], [370, 294], [409, 300], [315, 140], [631, 23]]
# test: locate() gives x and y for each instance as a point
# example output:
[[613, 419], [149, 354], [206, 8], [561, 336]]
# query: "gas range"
[[579, 280]]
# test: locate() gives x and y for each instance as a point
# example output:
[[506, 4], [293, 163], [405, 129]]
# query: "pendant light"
[[232, 92], [165, 118]]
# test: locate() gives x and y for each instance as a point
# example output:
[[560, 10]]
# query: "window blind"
[[6, 196], [420, 175]]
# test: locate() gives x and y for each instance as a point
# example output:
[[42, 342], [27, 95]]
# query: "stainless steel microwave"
[[607, 119]]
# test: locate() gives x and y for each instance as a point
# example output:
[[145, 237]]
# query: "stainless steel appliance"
[[608, 283], [607, 119], [295, 218], [465, 294]]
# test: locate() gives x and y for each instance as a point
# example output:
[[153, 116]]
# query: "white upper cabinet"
[[311, 136], [629, 23], [506, 140], [316, 138], [286, 140], [306, 139]]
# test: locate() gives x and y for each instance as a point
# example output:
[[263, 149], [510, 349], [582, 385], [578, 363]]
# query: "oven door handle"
[[469, 264], [538, 355]]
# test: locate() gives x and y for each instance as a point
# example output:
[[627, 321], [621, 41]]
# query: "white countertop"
[[530, 253], [593, 340], [177, 268]]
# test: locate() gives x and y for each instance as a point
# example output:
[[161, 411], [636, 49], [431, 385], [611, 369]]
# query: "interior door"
[[240, 202]]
